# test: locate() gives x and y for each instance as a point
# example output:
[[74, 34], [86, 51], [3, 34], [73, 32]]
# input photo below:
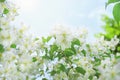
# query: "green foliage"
[[116, 9], [111, 28], [90, 77], [50, 54], [75, 42], [45, 40], [97, 74], [0, 29], [13, 46], [53, 72], [53, 48], [1, 48], [34, 59], [2, 0], [116, 12], [62, 67], [112, 1], [97, 61], [68, 52], [80, 70], [84, 52], [5, 11]]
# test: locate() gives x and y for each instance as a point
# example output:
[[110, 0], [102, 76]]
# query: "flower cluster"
[[76, 59], [64, 55], [18, 51]]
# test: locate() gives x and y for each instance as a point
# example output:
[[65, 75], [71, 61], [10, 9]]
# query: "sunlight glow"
[[27, 5]]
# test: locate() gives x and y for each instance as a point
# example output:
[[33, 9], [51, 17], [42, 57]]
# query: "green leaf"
[[87, 45], [5, 11], [117, 57], [27, 78], [97, 61], [80, 70], [44, 79], [53, 72], [0, 29], [116, 12], [41, 72], [2, 0], [111, 1], [90, 77], [97, 74], [68, 52], [49, 38], [46, 39], [13, 46], [62, 67], [1, 48], [118, 48], [68, 70], [45, 56], [53, 48], [59, 55], [84, 52], [34, 59], [76, 42]]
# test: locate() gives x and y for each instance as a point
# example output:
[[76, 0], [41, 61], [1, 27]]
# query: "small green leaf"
[[46, 39], [34, 59], [117, 57], [2, 0], [90, 77], [97, 74], [53, 48], [87, 45], [68, 52], [0, 29], [68, 70], [97, 61], [5, 11], [45, 56], [84, 52], [116, 12], [49, 38], [53, 72], [43, 40], [1, 48], [44, 79], [27, 78], [62, 67], [80, 70], [41, 72], [118, 48], [76, 42], [13, 46]]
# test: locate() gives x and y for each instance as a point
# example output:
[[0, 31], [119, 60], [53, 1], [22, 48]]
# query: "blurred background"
[[42, 15]]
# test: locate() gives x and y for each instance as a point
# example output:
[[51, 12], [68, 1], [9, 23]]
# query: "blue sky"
[[43, 15]]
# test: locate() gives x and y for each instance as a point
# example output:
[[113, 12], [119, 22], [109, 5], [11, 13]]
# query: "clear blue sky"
[[42, 15]]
